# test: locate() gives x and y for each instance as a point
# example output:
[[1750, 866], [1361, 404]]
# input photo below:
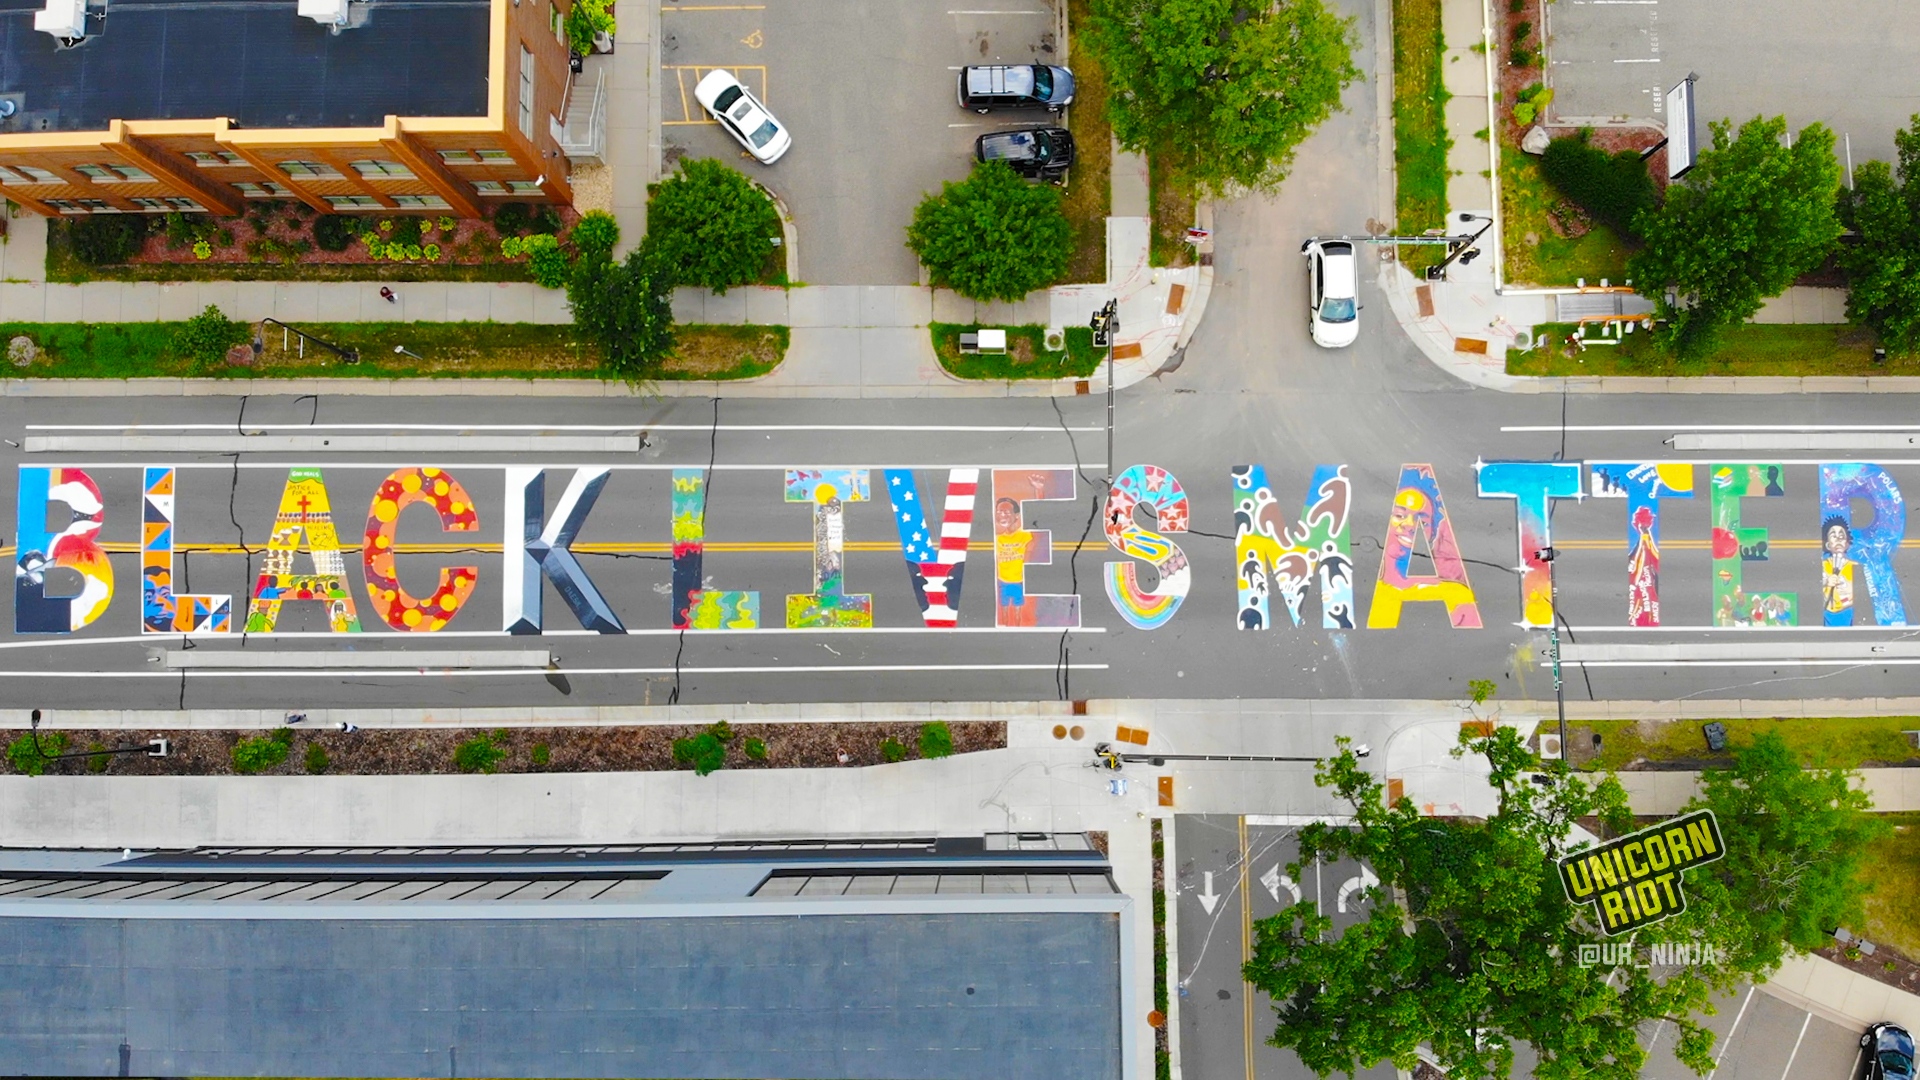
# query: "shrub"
[[396, 253], [182, 230], [406, 231], [512, 247], [1521, 30], [992, 236], [414, 251], [722, 731], [262, 752], [547, 220], [98, 759], [105, 239], [1520, 56], [705, 752], [542, 755], [549, 264], [26, 757], [372, 240], [936, 739], [1611, 187], [317, 760], [480, 754], [892, 750], [432, 252], [626, 309], [596, 231], [202, 250], [386, 225], [754, 749], [585, 19], [708, 225], [512, 219], [1531, 103], [207, 336], [447, 224], [333, 232]]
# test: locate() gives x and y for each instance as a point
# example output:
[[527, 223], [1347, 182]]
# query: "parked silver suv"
[[1019, 86]]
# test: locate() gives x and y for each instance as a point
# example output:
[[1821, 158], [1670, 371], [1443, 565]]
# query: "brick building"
[[432, 106]]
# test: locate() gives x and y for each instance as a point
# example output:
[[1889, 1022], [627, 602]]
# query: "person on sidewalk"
[[349, 728], [387, 294], [295, 718]]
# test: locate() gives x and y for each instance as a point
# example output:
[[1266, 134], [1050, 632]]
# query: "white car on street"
[[1333, 294], [735, 108]]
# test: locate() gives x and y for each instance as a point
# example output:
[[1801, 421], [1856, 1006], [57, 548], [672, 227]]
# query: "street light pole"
[[1546, 555], [1105, 324]]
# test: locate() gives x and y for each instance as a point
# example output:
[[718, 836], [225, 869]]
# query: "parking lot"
[[867, 89], [1223, 1031], [1848, 66]]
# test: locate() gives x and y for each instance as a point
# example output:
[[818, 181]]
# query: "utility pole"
[[1546, 555], [1106, 324]]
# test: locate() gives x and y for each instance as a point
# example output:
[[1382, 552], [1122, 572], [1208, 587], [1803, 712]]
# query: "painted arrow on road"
[[1273, 879], [1366, 880], [1208, 898]]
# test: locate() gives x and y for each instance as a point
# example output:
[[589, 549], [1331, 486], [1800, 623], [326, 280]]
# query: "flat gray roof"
[[258, 63], [904, 996]]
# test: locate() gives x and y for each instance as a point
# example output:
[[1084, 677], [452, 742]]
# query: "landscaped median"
[[323, 748], [1420, 141], [1754, 349], [1027, 356], [201, 349]]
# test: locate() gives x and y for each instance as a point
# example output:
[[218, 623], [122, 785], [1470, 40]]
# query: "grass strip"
[[1420, 141], [444, 350], [1026, 357], [1893, 907], [1840, 742], [1536, 252], [1088, 199], [1788, 349]]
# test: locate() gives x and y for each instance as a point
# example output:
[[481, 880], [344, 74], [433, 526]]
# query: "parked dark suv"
[[1889, 1052], [1036, 153], [1022, 86]]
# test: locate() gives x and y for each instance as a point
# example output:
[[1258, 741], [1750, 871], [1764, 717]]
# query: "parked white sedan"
[[737, 110]]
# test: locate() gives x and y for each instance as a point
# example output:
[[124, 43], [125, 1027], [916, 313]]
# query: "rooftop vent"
[[331, 13], [66, 20]]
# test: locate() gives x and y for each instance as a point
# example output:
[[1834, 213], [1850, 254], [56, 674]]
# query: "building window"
[[494, 157], [34, 175], [383, 168], [128, 172], [526, 92], [524, 187], [459, 157], [150, 204], [97, 173], [314, 170], [490, 187], [354, 202], [420, 202], [65, 206], [98, 206], [268, 190], [8, 176], [559, 26], [187, 205], [225, 157]]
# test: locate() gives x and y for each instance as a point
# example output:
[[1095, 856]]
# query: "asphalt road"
[[1224, 1024], [1323, 417]]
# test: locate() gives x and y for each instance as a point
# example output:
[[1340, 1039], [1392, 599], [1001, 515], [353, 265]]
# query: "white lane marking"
[[1649, 60], [358, 659], [1043, 429], [332, 444], [1555, 428], [201, 641], [1728, 1041], [823, 669], [999, 13], [1737, 663], [1822, 630], [1784, 1073], [614, 466], [1806, 440], [1760, 651]]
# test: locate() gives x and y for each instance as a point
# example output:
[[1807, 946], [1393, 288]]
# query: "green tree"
[[1471, 945], [596, 231], [626, 309], [705, 752], [936, 739], [1750, 217], [1220, 91], [1796, 843], [992, 236], [206, 337], [1612, 187], [1883, 264], [711, 227]]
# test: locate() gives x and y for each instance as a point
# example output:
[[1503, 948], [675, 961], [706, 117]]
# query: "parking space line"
[[1796, 1046], [1246, 951], [1732, 1031]]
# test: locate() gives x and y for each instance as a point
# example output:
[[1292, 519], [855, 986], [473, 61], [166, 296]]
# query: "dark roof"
[[844, 996], [256, 61]]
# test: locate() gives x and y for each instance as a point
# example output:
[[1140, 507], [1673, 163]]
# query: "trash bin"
[[1716, 733]]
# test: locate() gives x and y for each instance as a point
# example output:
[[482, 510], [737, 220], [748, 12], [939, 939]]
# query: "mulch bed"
[[1905, 974], [279, 231], [422, 751]]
